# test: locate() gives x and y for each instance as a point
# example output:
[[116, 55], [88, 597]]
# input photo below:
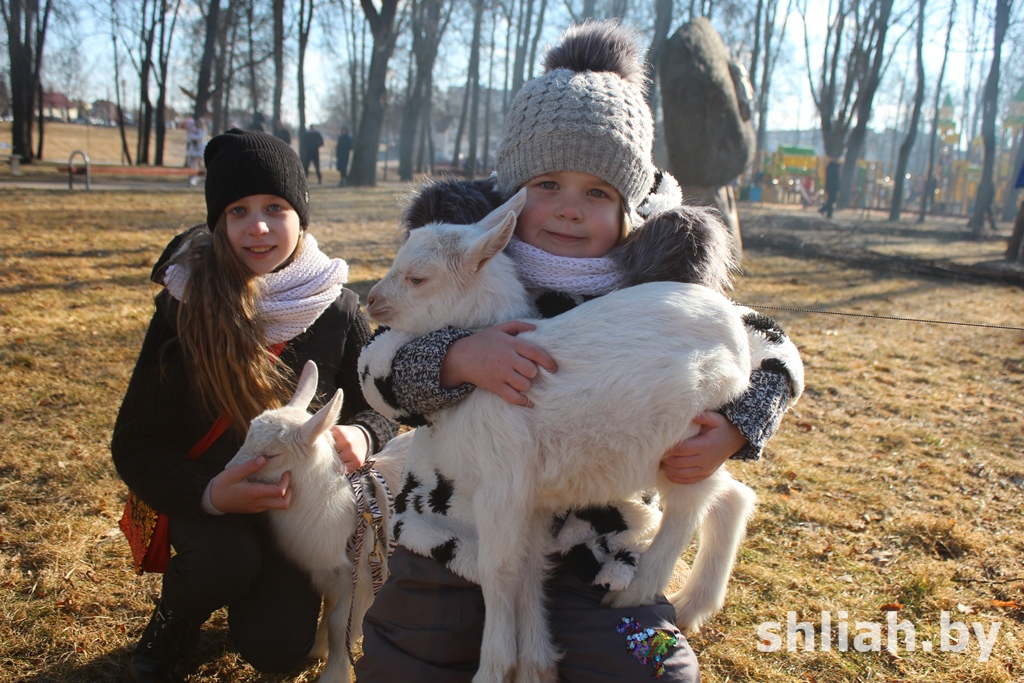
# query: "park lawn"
[[896, 481]]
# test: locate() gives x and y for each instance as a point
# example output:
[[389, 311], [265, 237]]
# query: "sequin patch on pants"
[[647, 644]]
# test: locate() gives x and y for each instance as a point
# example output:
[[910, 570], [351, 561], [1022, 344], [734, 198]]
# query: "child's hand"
[[351, 444], [697, 458], [230, 492], [495, 359]]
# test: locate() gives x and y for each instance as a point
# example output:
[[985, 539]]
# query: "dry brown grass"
[[897, 479]]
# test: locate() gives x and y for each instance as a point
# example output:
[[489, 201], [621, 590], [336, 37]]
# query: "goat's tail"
[[721, 532]]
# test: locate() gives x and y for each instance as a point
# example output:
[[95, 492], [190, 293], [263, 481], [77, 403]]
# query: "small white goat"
[[634, 368], [321, 518]]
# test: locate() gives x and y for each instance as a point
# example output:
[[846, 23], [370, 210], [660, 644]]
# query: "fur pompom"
[[686, 244], [451, 200], [599, 46]]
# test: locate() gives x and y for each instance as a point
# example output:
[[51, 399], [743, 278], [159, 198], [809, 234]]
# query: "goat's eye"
[[417, 280], [268, 456]]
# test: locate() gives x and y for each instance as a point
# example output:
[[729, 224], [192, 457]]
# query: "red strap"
[[223, 422]]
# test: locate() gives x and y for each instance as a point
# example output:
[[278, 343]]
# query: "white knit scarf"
[[538, 269], [291, 298]]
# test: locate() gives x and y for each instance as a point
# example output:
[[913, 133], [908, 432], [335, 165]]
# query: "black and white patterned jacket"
[[600, 543]]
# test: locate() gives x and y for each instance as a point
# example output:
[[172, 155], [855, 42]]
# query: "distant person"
[[258, 122], [195, 143], [831, 187], [343, 152], [281, 132], [311, 143]]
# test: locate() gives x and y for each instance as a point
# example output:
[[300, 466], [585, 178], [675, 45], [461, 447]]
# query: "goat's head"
[[287, 434], [437, 278]]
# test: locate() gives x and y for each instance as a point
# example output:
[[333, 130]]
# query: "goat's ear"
[[497, 229], [306, 388], [322, 421]]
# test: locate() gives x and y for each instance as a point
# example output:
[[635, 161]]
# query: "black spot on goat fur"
[[386, 388], [451, 200], [686, 244], [402, 499], [580, 561], [605, 519], [626, 557], [397, 529], [766, 326], [440, 498], [445, 552]]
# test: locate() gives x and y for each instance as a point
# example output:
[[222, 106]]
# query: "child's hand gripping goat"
[[634, 368], [314, 531]]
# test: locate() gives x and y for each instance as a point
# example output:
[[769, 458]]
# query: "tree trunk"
[[305, 24], [278, 12], [915, 120], [929, 183], [474, 78], [367, 142], [163, 59], [864, 101], [26, 35], [522, 40], [986, 187], [206, 63], [427, 32]]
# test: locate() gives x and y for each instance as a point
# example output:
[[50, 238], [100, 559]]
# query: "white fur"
[[634, 368], [321, 517]]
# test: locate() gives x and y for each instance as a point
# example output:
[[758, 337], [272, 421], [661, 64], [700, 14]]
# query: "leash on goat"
[[891, 317], [369, 515]]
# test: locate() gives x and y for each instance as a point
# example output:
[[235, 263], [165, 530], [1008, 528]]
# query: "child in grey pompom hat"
[[586, 113]]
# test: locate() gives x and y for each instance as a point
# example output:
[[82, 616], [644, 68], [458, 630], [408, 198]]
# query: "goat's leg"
[[684, 506], [721, 533], [501, 522], [537, 652], [340, 594], [320, 644]]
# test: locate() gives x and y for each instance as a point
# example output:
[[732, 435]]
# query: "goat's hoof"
[[628, 597]]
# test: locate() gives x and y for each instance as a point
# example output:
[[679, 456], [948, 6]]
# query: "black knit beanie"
[[240, 163]]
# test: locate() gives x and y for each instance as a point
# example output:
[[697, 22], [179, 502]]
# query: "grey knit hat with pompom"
[[586, 113]]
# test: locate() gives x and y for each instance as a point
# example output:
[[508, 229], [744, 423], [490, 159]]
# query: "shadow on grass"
[[213, 660]]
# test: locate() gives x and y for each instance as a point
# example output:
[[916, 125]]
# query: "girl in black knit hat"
[[248, 298]]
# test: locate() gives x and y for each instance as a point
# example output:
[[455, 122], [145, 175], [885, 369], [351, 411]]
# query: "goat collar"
[[293, 297], [537, 269]]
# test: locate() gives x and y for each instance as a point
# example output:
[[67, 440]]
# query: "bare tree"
[[768, 43], [305, 25], [277, 9], [915, 120], [383, 26], [522, 44], [990, 99], [165, 40], [27, 22], [848, 79], [428, 19], [202, 94], [929, 183]]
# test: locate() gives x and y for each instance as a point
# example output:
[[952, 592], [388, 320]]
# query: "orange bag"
[[146, 529]]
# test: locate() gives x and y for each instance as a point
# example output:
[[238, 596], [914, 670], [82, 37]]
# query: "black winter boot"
[[168, 639]]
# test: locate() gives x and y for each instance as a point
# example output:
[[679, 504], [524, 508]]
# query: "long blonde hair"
[[222, 337]]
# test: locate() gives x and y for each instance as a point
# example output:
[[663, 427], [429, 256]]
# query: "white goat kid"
[[634, 368], [321, 518]]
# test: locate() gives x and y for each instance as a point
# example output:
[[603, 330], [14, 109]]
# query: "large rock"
[[710, 141], [706, 102]]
